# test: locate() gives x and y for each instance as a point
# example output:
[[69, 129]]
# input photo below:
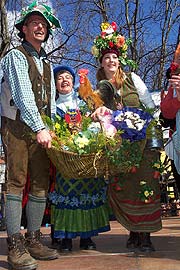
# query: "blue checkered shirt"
[[15, 72]]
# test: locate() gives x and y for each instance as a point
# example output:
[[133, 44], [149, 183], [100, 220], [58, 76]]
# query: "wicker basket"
[[72, 165]]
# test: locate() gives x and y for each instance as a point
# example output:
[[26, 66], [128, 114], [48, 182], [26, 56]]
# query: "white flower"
[[132, 120], [129, 123], [94, 127], [139, 126], [142, 183]]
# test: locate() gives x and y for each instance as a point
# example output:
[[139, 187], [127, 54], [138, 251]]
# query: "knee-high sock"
[[13, 213], [34, 212]]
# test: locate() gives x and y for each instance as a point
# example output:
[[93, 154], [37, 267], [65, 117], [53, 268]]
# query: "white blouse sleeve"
[[144, 95]]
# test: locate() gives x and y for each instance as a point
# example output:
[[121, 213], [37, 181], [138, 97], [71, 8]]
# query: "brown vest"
[[17, 127], [43, 101], [128, 95]]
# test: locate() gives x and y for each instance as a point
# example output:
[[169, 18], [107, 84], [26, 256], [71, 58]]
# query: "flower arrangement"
[[133, 122], [146, 192], [110, 38], [77, 134], [89, 137]]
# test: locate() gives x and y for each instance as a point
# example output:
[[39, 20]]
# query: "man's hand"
[[44, 138]]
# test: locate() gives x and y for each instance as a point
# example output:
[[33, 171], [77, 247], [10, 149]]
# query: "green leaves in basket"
[[121, 153], [127, 155]]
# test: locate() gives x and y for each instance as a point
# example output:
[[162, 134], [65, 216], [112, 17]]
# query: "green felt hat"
[[41, 9]]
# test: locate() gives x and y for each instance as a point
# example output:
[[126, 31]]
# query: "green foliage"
[[146, 192], [128, 154]]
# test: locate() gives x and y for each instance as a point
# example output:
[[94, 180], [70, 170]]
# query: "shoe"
[[146, 244], [87, 244], [37, 249], [66, 244], [133, 241], [18, 256]]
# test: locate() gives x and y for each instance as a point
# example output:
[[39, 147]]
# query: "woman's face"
[[64, 83], [110, 63]]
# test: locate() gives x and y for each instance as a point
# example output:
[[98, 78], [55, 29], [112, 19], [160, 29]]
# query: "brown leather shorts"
[[24, 156]]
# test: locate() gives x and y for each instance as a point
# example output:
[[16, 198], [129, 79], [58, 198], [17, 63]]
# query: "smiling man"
[[28, 91]]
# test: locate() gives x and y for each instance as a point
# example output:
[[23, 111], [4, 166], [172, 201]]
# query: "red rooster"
[[86, 92]]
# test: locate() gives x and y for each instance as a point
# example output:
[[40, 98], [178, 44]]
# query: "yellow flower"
[[152, 192], [157, 165], [57, 126], [82, 142], [104, 26], [95, 51], [146, 193], [124, 47]]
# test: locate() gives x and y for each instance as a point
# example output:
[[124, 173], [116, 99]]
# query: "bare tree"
[[4, 33]]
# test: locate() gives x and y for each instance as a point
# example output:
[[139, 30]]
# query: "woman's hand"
[[99, 112]]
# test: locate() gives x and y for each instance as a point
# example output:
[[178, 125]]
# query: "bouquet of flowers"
[[133, 122], [84, 137], [80, 146], [85, 148]]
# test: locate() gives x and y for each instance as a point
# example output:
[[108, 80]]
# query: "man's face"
[[35, 29]]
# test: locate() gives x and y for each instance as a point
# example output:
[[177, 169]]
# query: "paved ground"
[[111, 253]]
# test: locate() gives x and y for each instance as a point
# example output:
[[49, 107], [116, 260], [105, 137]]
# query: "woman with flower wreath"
[[79, 206], [137, 205]]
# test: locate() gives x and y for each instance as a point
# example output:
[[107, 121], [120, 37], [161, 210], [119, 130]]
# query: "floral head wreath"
[[110, 40]]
